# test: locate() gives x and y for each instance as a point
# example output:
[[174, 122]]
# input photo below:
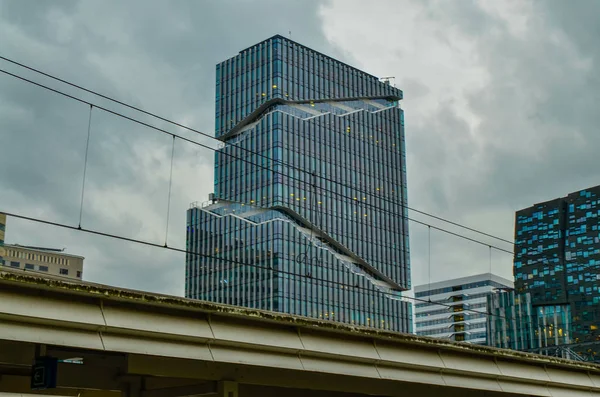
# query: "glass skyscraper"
[[557, 260], [309, 210]]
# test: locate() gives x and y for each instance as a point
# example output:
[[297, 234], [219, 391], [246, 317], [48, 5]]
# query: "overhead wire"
[[245, 160], [258, 165], [85, 163], [252, 265], [311, 278], [242, 148]]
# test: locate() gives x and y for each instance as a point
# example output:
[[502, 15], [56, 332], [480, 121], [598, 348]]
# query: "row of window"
[[239, 93], [37, 257], [311, 288], [41, 268], [476, 284]]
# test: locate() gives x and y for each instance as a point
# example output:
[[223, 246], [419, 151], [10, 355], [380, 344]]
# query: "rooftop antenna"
[[290, 34]]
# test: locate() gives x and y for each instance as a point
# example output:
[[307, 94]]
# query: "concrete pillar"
[[227, 389], [133, 388]]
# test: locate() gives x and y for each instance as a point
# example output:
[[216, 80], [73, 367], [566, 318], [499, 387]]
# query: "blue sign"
[[43, 373]]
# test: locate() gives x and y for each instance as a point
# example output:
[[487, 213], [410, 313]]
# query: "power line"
[[433, 303], [156, 245], [245, 149], [247, 161], [269, 268], [258, 154]]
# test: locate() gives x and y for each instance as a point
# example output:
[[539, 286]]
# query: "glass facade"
[[514, 323], [309, 211], [557, 259], [510, 321]]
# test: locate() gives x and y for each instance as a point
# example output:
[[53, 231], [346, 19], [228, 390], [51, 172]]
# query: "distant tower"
[[557, 261]]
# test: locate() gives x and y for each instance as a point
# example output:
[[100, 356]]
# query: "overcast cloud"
[[501, 103]]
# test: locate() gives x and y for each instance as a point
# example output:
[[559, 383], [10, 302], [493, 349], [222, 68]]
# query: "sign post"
[[43, 373]]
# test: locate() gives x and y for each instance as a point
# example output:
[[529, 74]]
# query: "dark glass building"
[[557, 260], [510, 321], [309, 211]]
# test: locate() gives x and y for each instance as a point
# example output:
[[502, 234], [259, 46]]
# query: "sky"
[[501, 107]]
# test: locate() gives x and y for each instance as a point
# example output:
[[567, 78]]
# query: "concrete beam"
[[173, 337], [87, 377], [202, 389]]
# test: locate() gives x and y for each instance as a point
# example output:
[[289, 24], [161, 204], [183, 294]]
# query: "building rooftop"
[[463, 280], [57, 251], [313, 50], [557, 198]]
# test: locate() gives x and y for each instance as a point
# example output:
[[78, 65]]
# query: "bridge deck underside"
[[145, 345], [114, 375]]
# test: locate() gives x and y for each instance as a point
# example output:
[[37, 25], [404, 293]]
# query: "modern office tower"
[[514, 324], [45, 260], [458, 307], [308, 215], [557, 259]]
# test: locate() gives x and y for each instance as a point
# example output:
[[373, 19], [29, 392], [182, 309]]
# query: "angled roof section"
[[278, 36]]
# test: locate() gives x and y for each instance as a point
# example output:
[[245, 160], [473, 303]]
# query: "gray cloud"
[[160, 56], [501, 111], [508, 119]]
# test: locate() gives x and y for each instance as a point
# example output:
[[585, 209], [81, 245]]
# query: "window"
[[14, 264], [64, 271], [78, 274], [29, 266], [43, 268]]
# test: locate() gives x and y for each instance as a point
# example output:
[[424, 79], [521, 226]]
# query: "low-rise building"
[[456, 309], [45, 260]]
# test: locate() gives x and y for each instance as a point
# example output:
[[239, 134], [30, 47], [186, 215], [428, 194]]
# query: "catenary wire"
[[180, 250], [85, 163], [434, 303], [258, 165], [242, 148], [245, 160], [170, 186], [70, 279], [313, 279], [188, 128]]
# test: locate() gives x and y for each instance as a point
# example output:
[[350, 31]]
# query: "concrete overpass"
[[138, 344]]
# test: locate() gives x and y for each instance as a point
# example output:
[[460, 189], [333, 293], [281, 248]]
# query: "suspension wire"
[[204, 134], [156, 245], [170, 185], [248, 161], [244, 160], [87, 146], [490, 247], [429, 257], [500, 317], [316, 280], [244, 149]]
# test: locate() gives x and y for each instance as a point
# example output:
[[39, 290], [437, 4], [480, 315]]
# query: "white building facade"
[[456, 309]]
